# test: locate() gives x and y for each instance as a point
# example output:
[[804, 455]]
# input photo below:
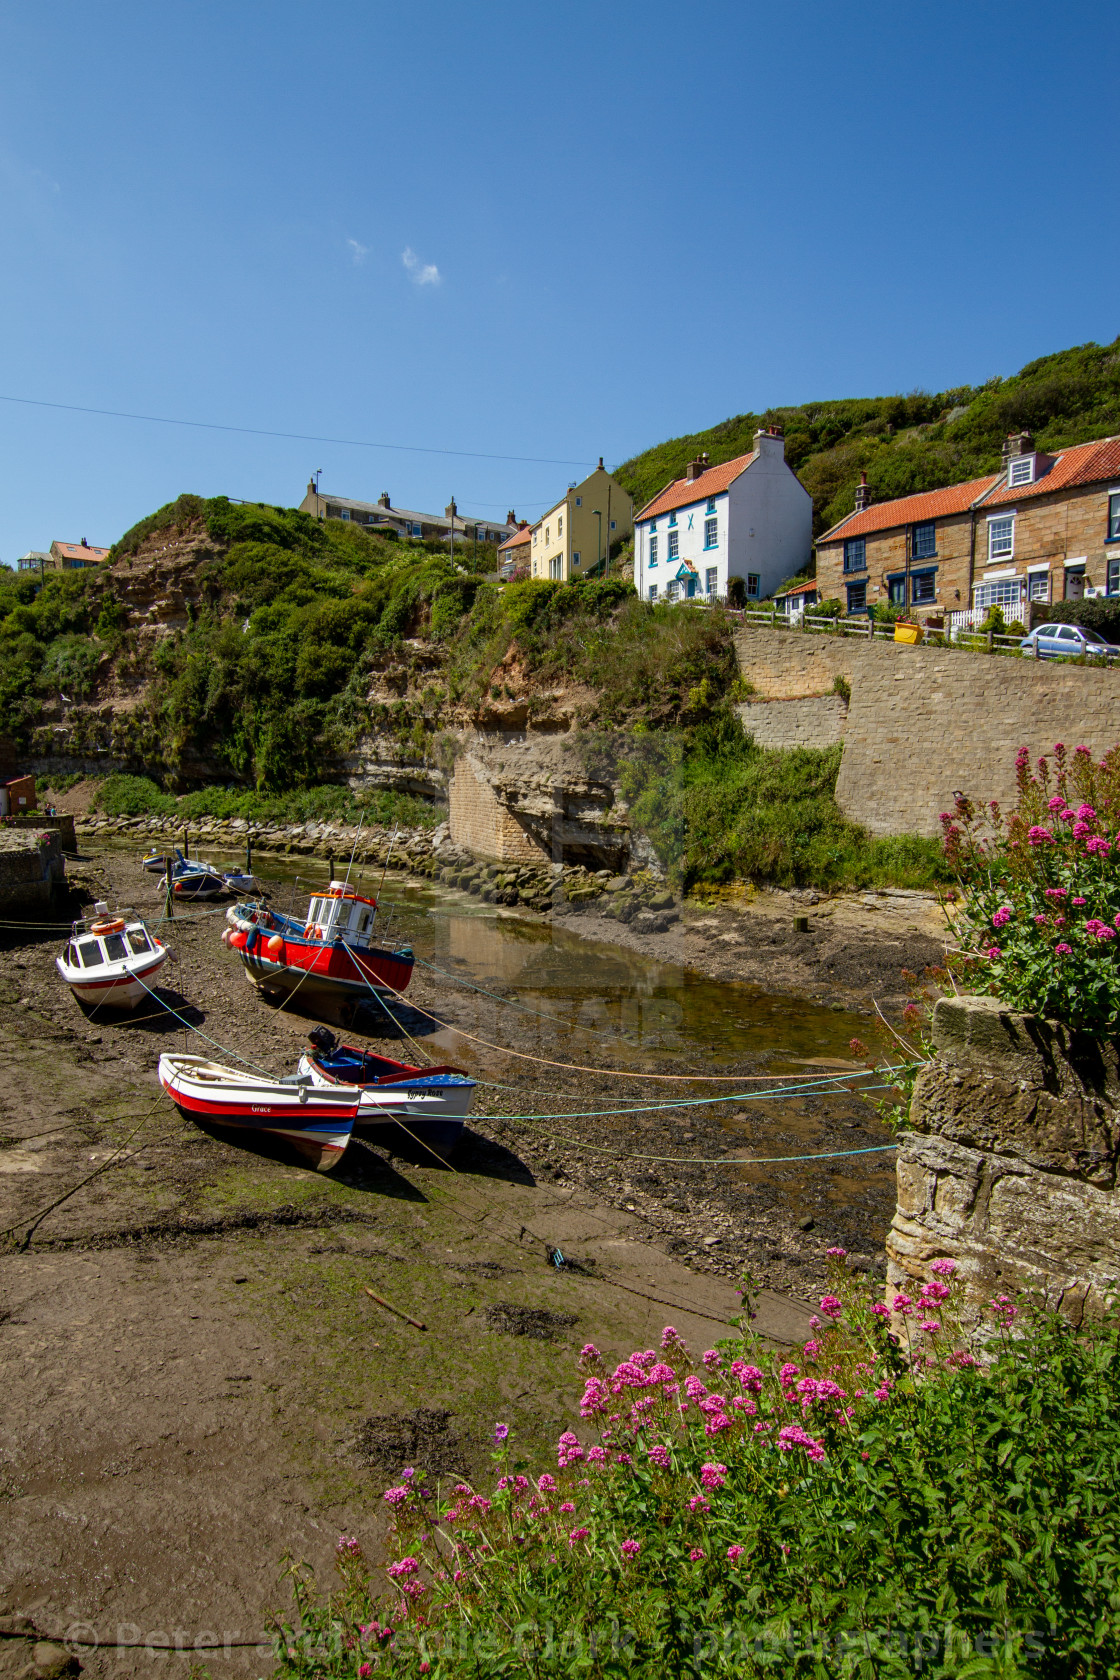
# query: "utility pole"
[[451, 513], [599, 539], [607, 567]]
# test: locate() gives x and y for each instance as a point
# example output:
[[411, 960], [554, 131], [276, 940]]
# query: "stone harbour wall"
[[31, 866], [482, 823], [1010, 1166], [924, 722]]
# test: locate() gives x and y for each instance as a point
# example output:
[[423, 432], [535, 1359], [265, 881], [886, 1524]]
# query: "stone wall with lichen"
[[1010, 1164]]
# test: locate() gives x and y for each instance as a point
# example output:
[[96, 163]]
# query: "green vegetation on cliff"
[[910, 443]]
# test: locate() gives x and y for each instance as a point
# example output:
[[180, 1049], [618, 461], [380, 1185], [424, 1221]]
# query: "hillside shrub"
[[138, 796], [881, 1504], [1040, 888]]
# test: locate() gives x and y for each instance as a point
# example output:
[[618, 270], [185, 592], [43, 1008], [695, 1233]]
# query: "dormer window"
[[1021, 470]]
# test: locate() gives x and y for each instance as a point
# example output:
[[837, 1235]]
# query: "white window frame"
[[576, 557], [1038, 585], [995, 521], [653, 551], [711, 531], [1020, 471], [999, 592], [674, 544], [711, 579], [653, 592], [559, 527], [579, 501]]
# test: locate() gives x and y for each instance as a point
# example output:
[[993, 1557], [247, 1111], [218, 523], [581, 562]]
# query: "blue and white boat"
[[191, 878], [428, 1104]]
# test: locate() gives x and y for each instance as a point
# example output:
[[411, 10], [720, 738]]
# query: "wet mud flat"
[[196, 1379]]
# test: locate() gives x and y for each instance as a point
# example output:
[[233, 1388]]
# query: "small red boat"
[[328, 957]]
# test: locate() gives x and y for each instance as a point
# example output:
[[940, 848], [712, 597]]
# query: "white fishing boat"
[[317, 1119], [111, 960]]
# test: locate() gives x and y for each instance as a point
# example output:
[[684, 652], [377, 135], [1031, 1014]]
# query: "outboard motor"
[[323, 1040]]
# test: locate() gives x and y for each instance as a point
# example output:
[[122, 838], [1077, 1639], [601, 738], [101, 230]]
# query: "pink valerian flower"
[[659, 1455], [698, 1503], [1080, 830], [762, 1428], [578, 1534], [712, 1359], [623, 1458], [1086, 813], [993, 953], [1002, 916], [961, 1360], [882, 1392], [943, 1268], [694, 1388], [644, 1359], [589, 1353], [630, 1548], [794, 1436], [1097, 845], [1059, 921], [750, 1377], [596, 1455], [364, 1671], [1079, 901], [1041, 921], [902, 1304], [933, 1291], [809, 1348], [881, 1310], [1037, 836], [929, 1325], [672, 1341], [1063, 950], [567, 1506], [713, 1475], [395, 1496], [787, 1374], [837, 1253], [696, 1555], [546, 1483], [1005, 1311], [831, 1306], [1099, 930], [1055, 892], [717, 1423], [734, 1553], [403, 1568], [1056, 803]]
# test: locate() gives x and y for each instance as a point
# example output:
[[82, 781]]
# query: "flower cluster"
[[1046, 877]]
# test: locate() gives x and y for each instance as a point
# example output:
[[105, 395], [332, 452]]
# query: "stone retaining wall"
[[924, 722], [31, 866], [817, 722], [1011, 1164]]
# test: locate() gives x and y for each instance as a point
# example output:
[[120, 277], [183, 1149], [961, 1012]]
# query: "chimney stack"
[[383, 499], [863, 494], [1017, 443], [770, 441], [696, 467], [600, 463], [511, 518]]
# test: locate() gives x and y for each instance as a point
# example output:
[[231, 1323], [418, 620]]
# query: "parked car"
[[1066, 641]]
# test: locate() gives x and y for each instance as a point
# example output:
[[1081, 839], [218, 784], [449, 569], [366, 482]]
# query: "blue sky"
[[518, 231]]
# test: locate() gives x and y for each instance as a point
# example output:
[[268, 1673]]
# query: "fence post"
[[991, 641], [774, 614]]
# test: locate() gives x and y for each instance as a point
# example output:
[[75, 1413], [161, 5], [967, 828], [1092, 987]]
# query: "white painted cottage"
[[750, 518]]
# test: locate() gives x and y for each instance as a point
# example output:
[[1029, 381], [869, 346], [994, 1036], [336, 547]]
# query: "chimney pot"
[[600, 463], [863, 494]]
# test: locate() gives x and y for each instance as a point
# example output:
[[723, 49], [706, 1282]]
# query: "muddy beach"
[[196, 1379]]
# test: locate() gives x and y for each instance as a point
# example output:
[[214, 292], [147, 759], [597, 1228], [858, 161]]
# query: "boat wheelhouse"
[[111, 960]]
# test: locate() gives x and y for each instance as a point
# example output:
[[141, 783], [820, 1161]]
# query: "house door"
[[692, 584], [1075, 584]]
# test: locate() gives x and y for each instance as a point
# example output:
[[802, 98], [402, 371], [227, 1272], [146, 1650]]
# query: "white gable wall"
[[771, 521]]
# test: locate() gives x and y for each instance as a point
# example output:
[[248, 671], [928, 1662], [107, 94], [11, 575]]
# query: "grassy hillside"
[[910, 443]]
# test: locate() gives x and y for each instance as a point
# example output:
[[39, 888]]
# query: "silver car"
[[1066, 641]]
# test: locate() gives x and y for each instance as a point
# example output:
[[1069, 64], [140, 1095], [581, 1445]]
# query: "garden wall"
[[1010, 1167], [923, 722]]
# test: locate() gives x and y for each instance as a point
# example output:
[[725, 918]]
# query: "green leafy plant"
[[901, 1492]]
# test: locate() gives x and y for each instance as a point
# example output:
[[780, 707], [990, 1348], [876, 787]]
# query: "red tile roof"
[[682, 492], [518, 539], [80, 551], [909, 510], [1084, 463]]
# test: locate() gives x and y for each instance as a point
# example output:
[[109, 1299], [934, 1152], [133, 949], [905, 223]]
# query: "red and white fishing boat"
[[328, 956], [111, 960], [317, 1119]]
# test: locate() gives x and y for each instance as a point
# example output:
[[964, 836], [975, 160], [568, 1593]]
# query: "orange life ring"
[[116, 926]]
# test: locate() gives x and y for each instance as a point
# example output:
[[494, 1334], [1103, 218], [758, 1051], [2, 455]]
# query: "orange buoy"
[[275, 947], [116, 926], [238, 940], [226, 935]]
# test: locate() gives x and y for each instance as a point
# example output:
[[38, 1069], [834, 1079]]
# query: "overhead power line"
[[294, 437]]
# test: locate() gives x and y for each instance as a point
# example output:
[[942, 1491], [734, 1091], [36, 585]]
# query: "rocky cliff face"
[[1011, 1164]]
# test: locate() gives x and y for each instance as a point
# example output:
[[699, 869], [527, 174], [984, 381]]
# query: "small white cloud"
[[422, 274], [358, 253]]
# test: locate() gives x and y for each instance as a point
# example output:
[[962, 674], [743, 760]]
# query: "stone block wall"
[[924, 722], [1010, 1167], [31, 864], [818, 722], [480, 822]]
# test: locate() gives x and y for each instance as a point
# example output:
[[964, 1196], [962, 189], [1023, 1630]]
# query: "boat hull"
[[113, 991], [325, 972], [429, 1107], [319, 1123]]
